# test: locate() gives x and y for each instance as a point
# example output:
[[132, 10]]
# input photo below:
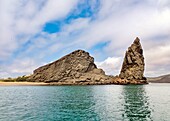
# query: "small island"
[[78, 68]]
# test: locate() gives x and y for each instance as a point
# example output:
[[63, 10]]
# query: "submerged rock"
[[133, 64], [74, 67]]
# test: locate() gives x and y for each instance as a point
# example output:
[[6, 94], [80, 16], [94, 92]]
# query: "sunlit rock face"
[[77, 66], [133, 64]]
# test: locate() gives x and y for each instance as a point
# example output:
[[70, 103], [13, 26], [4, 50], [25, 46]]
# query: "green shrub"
[[18, 79]]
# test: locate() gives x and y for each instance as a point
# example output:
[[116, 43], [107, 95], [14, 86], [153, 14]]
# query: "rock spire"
[[133, 64]]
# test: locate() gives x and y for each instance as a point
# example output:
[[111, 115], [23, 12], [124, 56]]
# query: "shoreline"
[[64, 84], [23, 84]]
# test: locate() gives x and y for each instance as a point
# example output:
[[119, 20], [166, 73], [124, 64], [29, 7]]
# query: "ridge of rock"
[[76, 66], [133, 64]]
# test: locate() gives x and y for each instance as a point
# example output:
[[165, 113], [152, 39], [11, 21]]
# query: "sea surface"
[[85, 103]]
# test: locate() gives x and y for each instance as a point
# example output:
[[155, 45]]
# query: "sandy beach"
[[23, 84]]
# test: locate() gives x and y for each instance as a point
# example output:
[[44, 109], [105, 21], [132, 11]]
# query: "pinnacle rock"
[[133, 64]]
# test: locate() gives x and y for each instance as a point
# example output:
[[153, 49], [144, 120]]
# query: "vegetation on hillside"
[[18, 79]]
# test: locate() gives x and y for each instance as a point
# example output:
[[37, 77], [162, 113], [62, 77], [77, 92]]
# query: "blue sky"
[[36, 32]]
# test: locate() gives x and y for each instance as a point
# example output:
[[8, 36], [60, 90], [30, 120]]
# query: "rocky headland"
[[78, 68]]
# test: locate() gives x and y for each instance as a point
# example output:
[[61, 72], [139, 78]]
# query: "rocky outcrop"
[[75, 67], [78, 68], [133, 64]]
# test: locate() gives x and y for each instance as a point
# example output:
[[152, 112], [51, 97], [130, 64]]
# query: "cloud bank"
[[35, 32]]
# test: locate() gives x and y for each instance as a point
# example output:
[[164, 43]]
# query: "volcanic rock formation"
[[133, 65], [77, 66]]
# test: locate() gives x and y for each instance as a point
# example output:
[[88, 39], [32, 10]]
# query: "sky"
[[36, 32]]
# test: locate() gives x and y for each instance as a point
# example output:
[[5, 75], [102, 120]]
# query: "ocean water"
[[85, 103]]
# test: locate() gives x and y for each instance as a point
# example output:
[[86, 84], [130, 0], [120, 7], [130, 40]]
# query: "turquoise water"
[[85, 103]]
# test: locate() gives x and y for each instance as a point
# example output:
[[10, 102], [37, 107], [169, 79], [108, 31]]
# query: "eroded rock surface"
[[133, 64], [77, 66]]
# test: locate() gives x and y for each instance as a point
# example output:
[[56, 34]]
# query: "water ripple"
[[84, 103]]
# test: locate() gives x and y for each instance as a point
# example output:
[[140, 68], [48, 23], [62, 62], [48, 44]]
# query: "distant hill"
[[160, 79]]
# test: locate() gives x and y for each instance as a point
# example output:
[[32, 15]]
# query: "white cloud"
[[19, 67], [111, 65], [158, 59], [23, 19], [120, 24], [116, 21]]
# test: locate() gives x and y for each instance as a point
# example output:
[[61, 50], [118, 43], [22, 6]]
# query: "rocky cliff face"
[[76, 66], [133, 64]]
